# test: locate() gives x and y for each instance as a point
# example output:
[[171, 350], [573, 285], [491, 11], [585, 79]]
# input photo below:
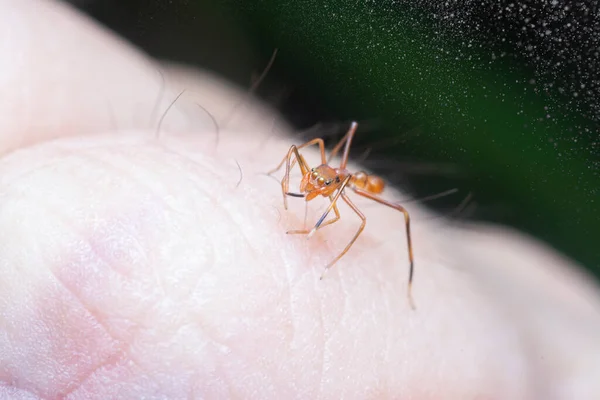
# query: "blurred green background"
[[500, 100]]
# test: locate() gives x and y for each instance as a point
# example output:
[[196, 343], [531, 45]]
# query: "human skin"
[[139, 262]]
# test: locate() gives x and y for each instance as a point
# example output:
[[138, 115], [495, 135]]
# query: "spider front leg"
[[322, 225], [285, 182], [356, 235], [287, 160], [332, 205]]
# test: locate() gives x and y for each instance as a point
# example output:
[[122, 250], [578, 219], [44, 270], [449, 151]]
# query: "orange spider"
[[331, 182]]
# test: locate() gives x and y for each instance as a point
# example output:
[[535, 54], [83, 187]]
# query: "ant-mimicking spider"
[[331, 182]]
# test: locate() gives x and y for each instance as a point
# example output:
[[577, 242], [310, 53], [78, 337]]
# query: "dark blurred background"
[[499, 100]]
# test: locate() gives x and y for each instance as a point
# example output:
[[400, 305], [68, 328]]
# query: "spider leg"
[[287, 160], [356, 235], [334, 219], [408, 235], [333, 200], [285, 181], [347, 141], [317, 141], [331, 221]]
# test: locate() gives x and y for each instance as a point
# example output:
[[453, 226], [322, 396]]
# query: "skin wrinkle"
[[259, 311], [112, 383], [290, 308], [80, 233], [203, 327], [136, 180], [92, 156], [214, 345], [69, 289], [74, 295], [206, 331], [118, 354], [195, 182], [132, 359], [323, 340], [110, 361], [210, 197], [57, 278]]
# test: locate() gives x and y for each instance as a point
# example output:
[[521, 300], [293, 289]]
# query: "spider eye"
[[314, 174], [321, 180], [328, 182]]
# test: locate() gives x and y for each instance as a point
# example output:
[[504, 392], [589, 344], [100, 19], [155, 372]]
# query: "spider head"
[[322, 180]]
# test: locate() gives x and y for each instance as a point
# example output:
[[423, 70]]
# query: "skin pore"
[[135, 266]]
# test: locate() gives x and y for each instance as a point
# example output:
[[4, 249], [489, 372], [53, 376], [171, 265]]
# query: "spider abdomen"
[[370, 183]]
